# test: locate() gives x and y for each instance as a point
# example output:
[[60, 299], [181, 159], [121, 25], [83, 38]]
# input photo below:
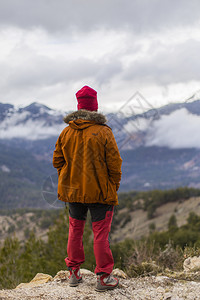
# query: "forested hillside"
[[137, 214], [21, 178]]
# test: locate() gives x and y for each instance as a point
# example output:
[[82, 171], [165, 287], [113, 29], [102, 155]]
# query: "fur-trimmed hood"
[[85, 115]]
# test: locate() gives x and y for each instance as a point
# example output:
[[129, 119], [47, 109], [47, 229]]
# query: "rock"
[[192, 264], [86, 272], [162, 279], [61, 275], [119, 273], [167, 296], [39, 279], [160, 290]]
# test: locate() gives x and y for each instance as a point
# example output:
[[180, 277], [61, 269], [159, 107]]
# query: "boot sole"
[[76, 284], [73, 284], [106, 288]]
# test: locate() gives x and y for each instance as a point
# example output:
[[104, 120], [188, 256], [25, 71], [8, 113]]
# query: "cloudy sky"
[[51, 48]]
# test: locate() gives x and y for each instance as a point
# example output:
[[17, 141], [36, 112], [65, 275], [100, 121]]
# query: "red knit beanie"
[[87, 98]]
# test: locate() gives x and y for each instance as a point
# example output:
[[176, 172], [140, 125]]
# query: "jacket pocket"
[[111, 190], [106, 194]]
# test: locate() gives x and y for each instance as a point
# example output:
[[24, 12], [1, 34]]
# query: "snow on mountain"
[[195, 96]]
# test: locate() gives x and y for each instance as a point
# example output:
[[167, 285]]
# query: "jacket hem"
[[83, 200]]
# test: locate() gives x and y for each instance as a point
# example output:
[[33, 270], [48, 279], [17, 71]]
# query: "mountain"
[[147, 168], [33, 122], [154, 127], [21, 178], [173, 126], [159, 148]]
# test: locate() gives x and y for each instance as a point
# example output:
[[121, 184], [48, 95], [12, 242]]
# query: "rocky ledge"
[[44, 286]]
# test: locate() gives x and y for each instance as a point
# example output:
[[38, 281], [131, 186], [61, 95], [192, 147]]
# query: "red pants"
[[101, 223]]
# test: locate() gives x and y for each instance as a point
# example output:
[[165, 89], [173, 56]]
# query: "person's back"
[[89, 169]]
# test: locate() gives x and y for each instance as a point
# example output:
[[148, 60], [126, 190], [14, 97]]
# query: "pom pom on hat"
[[87, 98]]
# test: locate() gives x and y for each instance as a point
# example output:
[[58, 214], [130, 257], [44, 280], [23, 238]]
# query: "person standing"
[[89, 172]]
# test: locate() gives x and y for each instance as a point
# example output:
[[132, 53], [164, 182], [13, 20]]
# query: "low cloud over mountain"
[[34, 122], [180, 129], [173, 126]]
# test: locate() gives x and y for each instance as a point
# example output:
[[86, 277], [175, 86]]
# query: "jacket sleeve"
[[58, 157], [113, 160]]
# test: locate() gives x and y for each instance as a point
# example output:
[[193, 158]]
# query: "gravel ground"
[[146, 288]]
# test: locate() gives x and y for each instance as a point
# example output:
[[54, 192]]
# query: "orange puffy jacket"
[[87, 160]]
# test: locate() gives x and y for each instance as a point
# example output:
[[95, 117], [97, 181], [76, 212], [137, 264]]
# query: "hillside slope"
[[21, 178], [126, 223], [135, 224]]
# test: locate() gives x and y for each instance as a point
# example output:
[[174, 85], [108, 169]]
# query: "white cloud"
[[177, 130], [117, 47], [31, 130], [140, 124]]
